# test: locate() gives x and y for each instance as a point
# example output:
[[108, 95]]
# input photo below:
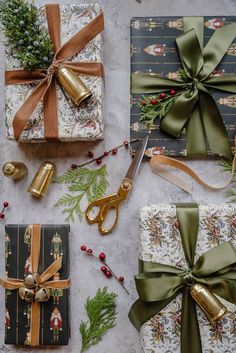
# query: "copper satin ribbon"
[[160, 165], [46, 79], [13, 283]]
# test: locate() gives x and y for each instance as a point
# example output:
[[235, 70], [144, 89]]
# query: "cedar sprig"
[[231, 193], [28, 41], [149, 111], [82, 183], [101, 311]]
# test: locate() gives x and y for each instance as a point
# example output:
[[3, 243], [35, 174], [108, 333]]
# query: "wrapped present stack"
[[37, 314], [166, 325], [55, 116]]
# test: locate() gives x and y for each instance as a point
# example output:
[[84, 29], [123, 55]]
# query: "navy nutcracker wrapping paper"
[[54, 320], [153, 50]]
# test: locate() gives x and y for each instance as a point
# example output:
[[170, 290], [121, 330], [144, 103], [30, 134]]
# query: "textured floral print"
[[83, 123], [161, 334]]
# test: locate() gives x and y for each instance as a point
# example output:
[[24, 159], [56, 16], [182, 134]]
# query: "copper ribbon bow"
[[14, 283], [46, 79]]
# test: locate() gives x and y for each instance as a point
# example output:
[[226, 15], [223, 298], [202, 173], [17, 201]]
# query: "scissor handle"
[[100, 203], [111, 204]]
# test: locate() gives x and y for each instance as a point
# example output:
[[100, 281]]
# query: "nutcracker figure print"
[[215, 23], [28, 339], [7, 320], [147, 24], [27, 313], [176, 23], [7, 246], [56, 324], [56, 246], [229, 101], [56, 293], [27, 237], [232, 50], [158, 50], [28, 267]]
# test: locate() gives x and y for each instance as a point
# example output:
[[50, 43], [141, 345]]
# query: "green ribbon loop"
[[196, 102], [158, 284]]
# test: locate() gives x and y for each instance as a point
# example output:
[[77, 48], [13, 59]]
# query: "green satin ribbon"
[[195, 107], [158, 284]]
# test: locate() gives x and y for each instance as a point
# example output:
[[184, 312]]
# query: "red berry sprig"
[[98, 160], [2, 213], [105, 269]]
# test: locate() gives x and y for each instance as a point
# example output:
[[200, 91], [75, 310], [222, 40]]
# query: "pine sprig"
[[28, 41], [82, 182], [231, 193], [149, 111], [101, 311]]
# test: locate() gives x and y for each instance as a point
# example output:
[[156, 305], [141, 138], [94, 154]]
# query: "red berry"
[[6, 204], [108, 274], [114, 152], [2, 215], [153, 101], [162, 95], [90, 154], [90, 251], [83, 248], [143, 103], [74, 166], [106, 154], [126, 143], [102, 256], [104, 269], [172, 92], [99, 161], [121, 279]]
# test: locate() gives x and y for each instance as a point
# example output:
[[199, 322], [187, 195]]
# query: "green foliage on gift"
[[29, 42]]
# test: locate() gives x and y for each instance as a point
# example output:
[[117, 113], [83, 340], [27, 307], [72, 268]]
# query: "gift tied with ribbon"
[[35, 288], [158, 284], [46, 79], [194, 108]]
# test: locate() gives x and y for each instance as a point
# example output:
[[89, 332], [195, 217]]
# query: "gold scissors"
[[113, 201]]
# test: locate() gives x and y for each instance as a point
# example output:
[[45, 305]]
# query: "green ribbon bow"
[[158, 284], [195, 107]]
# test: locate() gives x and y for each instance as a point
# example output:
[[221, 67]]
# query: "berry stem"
[[109, 268]]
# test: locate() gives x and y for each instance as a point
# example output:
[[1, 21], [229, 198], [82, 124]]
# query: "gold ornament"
[[32, 280], [73, 85], [43, 295], [15, 170], [26, 294]]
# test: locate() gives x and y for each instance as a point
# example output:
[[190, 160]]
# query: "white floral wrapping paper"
[[160, 241], [74, 124]]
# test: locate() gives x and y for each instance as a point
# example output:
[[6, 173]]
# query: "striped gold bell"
[[26, 294], [42, 295], [74, 86], [32, 280]]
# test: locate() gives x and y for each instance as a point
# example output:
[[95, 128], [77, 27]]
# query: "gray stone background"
[[122, 246]]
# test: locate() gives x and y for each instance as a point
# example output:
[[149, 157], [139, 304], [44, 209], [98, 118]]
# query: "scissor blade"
[[134, 167]]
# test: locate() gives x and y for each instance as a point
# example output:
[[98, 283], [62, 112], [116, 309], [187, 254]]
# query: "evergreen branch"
[[231, 193], [83, 182], [27, 40], [150, 112], [101, 311]]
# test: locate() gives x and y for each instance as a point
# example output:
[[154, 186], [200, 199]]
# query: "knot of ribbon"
[[45, 79], [158, 284], [194, 108], [43, 281]]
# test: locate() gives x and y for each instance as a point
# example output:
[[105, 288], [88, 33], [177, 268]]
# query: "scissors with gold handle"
[[113, 201]]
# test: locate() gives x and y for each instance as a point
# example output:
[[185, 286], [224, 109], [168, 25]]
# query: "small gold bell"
[[32, 280], [73, 85], [208, 302], [26, 294], [15, 170], [42, 295]]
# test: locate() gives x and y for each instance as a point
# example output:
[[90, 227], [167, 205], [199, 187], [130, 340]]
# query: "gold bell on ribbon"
[[42, 295], [73, 85], [32, 280], [27, 294], [208, 302]]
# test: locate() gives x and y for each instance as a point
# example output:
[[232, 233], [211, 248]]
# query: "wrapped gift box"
[[54, 326], [83, 123], [153, 50], [160, 241]]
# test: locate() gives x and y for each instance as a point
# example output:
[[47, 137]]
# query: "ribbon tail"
[[195, 136], [214, 127], [35, 324], [190, 333], [51, 270], [141, 312], [26, 110], [50, 112]]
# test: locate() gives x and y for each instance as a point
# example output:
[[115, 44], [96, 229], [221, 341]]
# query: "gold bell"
[[26, 294], [208, 302], [42, 180], [32, 280], [15, 170], [73, 85], [42, 295]]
